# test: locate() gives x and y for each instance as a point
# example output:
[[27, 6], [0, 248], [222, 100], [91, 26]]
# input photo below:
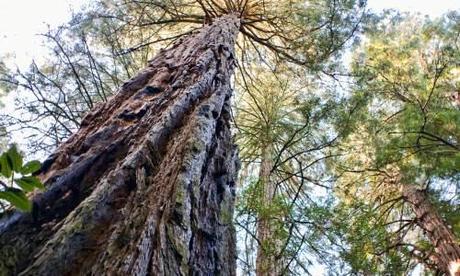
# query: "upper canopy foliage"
[[303, 32]]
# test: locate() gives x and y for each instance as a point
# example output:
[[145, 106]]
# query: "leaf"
[[29, 183], [14, 158], [17, 198], [31, 167], [5, 166]]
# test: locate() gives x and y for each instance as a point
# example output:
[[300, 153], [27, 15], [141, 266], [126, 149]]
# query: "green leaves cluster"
[[408, 120], [409, 69], [405, 131], [16, 179]]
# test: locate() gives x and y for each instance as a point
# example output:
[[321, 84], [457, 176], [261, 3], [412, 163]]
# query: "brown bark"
[[266, 262], [446, 245], [146, 186]]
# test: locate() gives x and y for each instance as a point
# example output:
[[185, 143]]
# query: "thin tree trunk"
[[266, 263], [147, 185], [447, 247]]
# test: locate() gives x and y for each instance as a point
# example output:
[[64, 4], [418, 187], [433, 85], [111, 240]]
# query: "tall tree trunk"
[[447, 247], [147, 185], [266, 262]]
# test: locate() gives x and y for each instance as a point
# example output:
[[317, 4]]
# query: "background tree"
[[401, 160], [281, 122]]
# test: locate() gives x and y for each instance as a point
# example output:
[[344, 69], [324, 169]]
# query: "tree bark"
[[266, 262], [147, 184], [446, 245]]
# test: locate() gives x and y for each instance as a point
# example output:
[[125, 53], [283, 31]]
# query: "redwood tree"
[[147, 183]]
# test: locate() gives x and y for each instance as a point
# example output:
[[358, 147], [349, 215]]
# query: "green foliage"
[[409, 69], [283, 119], [404, 131], [406, 123], [17, 198], [251, 200], [16, 179], [30, 167], [373, 247]]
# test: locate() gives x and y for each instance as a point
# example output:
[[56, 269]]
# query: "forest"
[[233, 137]]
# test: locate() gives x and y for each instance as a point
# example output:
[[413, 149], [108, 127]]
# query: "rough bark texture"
[[147, 185], [446, 245], [266, 262]]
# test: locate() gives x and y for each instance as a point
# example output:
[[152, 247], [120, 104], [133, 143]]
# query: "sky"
[[22, 20], [433, 8]]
